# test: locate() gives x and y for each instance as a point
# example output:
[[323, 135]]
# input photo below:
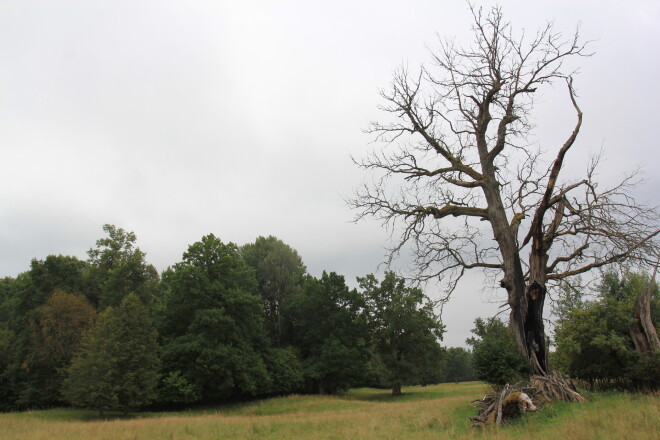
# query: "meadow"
[[433, 412]]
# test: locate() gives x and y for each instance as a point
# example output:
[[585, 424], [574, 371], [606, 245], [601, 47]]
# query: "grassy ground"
[[437, 412]]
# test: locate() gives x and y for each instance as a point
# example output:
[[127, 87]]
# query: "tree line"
[[225, 322]]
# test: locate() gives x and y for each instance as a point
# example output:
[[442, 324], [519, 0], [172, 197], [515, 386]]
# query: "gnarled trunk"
[[526, 301], [643, 333], [526, 321]]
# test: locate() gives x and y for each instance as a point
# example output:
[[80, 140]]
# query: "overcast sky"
[[175, 119]]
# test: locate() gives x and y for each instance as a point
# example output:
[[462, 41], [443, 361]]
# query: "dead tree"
[[457, 167]]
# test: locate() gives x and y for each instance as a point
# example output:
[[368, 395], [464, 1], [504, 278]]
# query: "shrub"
[[495, 357]]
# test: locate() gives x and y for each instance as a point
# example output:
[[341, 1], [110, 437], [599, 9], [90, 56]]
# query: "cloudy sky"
[[175, 119]]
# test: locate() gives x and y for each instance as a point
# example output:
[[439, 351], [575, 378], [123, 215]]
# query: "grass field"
[[435, 412]]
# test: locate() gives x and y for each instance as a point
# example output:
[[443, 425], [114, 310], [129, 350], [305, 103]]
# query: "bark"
[[643, 332], [396, 388]]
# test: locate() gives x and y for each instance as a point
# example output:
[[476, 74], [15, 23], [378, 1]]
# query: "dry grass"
[[438, 412]]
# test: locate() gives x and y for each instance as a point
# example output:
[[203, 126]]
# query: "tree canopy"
[[117, 367], [330, 331], [280, 273], [212, 327], [405, 329]]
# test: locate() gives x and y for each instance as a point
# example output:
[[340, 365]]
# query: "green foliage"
[[593, 339], [329, 330], [593, 344], [280, 273], [117, 366], [30, 378], [55, 331], [571, 297], [212, 324], [175, 388], [118, 268], [495, 357], [10, 292], [59, 326], [286, 370], [56, 272], [404, 328], [457, 365]]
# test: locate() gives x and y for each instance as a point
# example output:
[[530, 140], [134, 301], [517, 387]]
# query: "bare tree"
[[457, 147]]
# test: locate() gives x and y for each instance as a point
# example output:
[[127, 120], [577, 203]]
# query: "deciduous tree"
[[494, 355], [118, 268], [405, 330], [117, 366], [212, 324], [329, 330], [457, 146], [280, 273]]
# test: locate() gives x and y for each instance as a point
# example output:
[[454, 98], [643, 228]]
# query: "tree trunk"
[[526, 318], [396, 388], [643, 332], [535, 294]]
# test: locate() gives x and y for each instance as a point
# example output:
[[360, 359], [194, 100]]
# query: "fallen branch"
[[514, 400]]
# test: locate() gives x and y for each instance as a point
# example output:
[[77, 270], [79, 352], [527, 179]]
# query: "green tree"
[[495, 358], [33, 378], [594, 341], [280, 273], [59, 326], [212, 323], [329, 331], [118, 267], [117, 366], [55, 272], [55, 331], [404, 328], [457, 365], [7, 357]]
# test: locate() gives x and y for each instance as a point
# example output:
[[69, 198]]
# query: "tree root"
[[513, 400]]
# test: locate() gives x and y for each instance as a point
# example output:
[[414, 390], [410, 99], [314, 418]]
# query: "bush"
[[495, 357]]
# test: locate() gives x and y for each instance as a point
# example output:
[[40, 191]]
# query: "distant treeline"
[[226, 322]]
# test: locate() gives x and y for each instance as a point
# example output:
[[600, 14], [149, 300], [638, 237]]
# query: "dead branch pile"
[[556, 387], [513, 400]]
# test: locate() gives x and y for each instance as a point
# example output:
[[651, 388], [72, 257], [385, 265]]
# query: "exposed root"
[[557, 387], [513, 400]]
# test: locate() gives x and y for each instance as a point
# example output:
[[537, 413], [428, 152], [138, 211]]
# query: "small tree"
[[495, 357], [404, 328], [117, 366]]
